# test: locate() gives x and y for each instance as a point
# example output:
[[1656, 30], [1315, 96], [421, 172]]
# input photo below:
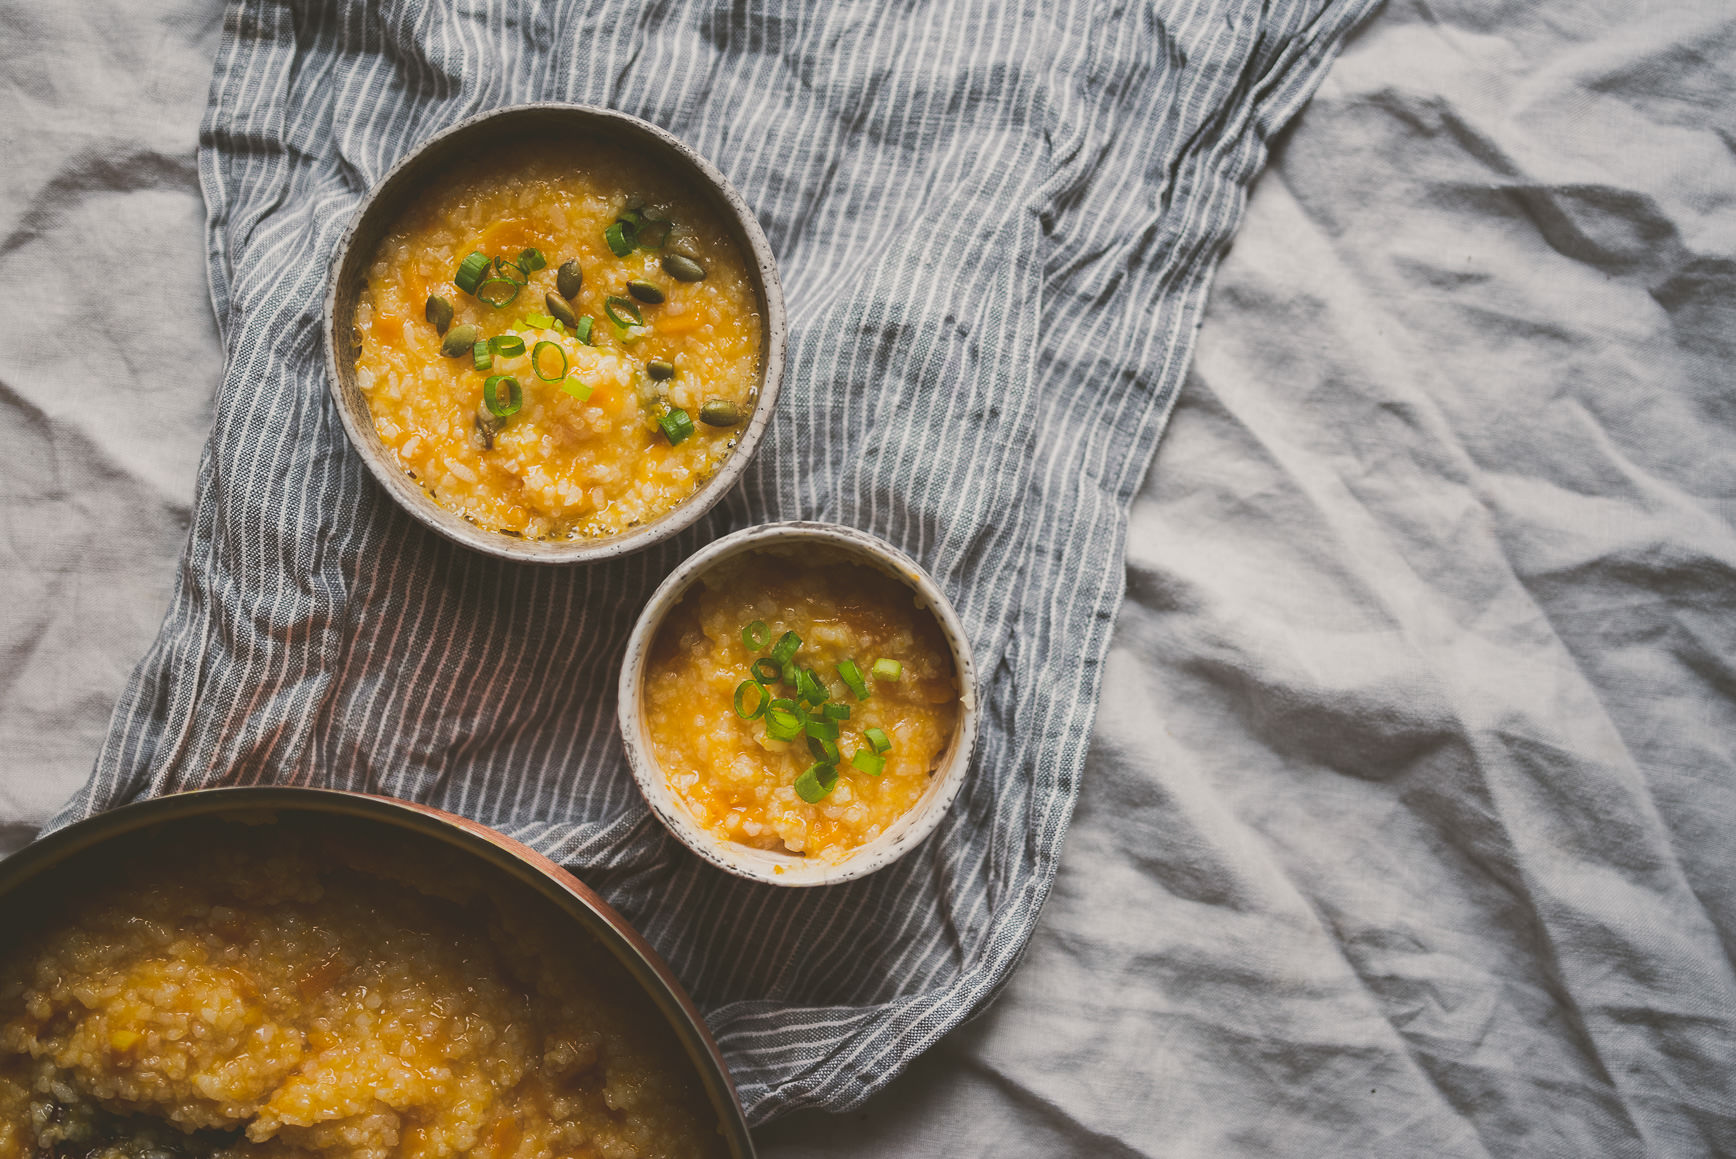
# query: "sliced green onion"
[[557, 327], [852, 676], [482, 356], [767, 670], [531, 260], [507, 345], [619, 239], [837, 710], [676, 425], [823, 749], [755, 635], [786, 647], [614, 304], [577, 388], [538, 322], [816, 782], [470, 272], [763, 699], [822, 728], [885, 669], [498, 292], [498, 407], [789, 673], [653, 227], [583, 330], [868, 762], [809, 687], [536, 361], [783, 722], [506, 269], [877, 738]]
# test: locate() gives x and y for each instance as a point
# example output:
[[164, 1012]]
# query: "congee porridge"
[[799, 702], [273, 993], [559, 341]]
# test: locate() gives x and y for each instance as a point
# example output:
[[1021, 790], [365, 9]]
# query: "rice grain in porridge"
[[587, 454], [278, 995], [741, 784]]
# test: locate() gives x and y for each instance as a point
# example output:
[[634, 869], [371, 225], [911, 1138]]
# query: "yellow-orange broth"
[[268, 995], [567, 464], [735, 780]]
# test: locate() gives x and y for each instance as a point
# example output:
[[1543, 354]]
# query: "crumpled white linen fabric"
[[1407, 825]]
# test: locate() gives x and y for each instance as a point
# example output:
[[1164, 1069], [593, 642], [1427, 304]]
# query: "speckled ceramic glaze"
[[762, 864], [386, 204]]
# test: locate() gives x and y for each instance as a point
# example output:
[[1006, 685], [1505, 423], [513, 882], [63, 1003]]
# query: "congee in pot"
[[559, 340], [283, 992]]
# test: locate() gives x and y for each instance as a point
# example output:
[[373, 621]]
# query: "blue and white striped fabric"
[[996, 228]]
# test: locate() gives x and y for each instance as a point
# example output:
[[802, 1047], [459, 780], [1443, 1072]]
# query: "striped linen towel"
[[996, 226]]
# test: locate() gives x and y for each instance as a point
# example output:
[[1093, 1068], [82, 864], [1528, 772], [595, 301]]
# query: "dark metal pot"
[[31, 882]]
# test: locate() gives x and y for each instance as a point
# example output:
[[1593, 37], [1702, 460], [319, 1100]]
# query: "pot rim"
[[517, 860]]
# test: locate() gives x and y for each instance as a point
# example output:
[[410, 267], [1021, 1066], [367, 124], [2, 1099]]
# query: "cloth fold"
[[996, 231]]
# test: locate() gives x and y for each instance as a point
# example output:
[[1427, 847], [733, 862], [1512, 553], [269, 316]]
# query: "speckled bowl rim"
[[762, 865], [385, 200]]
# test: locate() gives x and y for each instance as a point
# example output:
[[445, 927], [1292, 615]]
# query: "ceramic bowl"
[[35, 882], [783, 868], [385, 205]]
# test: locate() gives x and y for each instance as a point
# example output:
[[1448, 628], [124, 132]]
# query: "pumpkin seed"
[[459, 340], [719, 412], [683, 268], [439, 312], [660, 370], [559, 310], [645, 292], [568, 279]]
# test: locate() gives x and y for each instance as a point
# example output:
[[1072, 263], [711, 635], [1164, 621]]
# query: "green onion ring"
[[755, 636], [583, 330], [822, 728], [837, 711], [877, 738], [481, 356], [505, 269], [531, 260], [786, 647], [823, 750], [491, 396], [507, 345], [536, 361], [816, 782], [620, 239], [852, 677], [677, 425], [493, 297], [810, 687], [470, 272], [611, 306], [765, 698], [868, 762], [783, 722], [767, 671], [885, 669]]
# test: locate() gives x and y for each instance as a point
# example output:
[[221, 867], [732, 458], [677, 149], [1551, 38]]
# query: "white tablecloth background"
[[1407, 823]]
